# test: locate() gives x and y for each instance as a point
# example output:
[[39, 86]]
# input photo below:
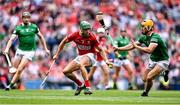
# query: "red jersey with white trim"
[[84, 45], [102, 43]]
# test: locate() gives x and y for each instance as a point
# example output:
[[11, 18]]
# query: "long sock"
[[73, 78], [11, 85], [115, 85], [130, 84], [78, 82], [87, 84], [148, 86]]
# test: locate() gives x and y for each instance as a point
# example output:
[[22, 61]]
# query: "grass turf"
[[110, 97]]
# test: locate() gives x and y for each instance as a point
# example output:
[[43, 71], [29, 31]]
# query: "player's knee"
[[66, 72], [148, 78], [115, 77], [18, 71], [144, 79], [130, 72], [80, 65]]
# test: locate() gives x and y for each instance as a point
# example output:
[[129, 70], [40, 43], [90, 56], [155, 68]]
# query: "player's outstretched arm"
[[103, 54], [125, 48], [148, 49], [60, 47], [43, 42], [12, 38]]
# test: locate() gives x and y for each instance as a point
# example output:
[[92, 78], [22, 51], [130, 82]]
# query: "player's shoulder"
[[76, 33], [142, 37], [155, 35], [92, 35], [18, 27], [73, 35], [33, 25]]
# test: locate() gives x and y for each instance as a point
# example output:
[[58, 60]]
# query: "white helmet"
[[100, 30]]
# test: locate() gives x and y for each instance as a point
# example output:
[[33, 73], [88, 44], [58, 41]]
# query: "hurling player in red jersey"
[[100, 61], [86, 43]]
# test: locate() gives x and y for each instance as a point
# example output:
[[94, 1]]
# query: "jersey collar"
[[24, 25], [151, 34]]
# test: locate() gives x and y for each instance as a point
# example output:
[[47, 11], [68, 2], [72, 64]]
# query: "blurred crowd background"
[[58, 18]]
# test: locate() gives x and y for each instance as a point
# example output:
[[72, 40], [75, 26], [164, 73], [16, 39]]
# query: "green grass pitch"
[[99, 97]]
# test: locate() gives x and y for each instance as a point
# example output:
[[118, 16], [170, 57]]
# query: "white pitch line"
[[88, 98]]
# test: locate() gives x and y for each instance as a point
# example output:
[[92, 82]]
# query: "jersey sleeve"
[[96, 42], [16, 31], [36, 29], [154, 39], [72, 36], [116, 41]]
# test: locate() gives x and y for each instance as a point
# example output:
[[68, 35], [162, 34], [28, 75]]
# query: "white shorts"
[[25, 54], [119, 63], [164, 64], [99, 63], [90, 55]]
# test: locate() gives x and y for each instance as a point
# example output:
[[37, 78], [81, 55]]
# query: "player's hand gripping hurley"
[[99, 17], [8, 60], [11, 68], [44, 80]]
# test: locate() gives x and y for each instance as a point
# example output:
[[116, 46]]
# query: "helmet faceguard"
[[85, 27], [26, 17]]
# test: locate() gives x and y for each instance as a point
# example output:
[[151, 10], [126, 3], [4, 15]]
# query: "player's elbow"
[[99, 49], [149, 51]]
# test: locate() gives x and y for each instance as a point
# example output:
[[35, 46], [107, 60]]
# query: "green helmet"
[[26, 14], [85, 25]]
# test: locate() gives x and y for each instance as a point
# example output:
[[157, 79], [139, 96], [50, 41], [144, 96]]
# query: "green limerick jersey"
[[26, 36], [160, 53], [120, 42]]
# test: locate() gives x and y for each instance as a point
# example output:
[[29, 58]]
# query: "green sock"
[[11, 85], [130, 84]]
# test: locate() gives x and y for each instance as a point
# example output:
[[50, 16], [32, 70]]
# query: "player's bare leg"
[[90, 75], [16, 61], [93, 69], [106, 76], [19, 70], [128, 68], [85, 61], [71, 67], [150, 76], [115, 76], [144, 76]]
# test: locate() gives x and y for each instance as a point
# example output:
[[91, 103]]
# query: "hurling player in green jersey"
[[121, 59], [25, 33], [156, 47]]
